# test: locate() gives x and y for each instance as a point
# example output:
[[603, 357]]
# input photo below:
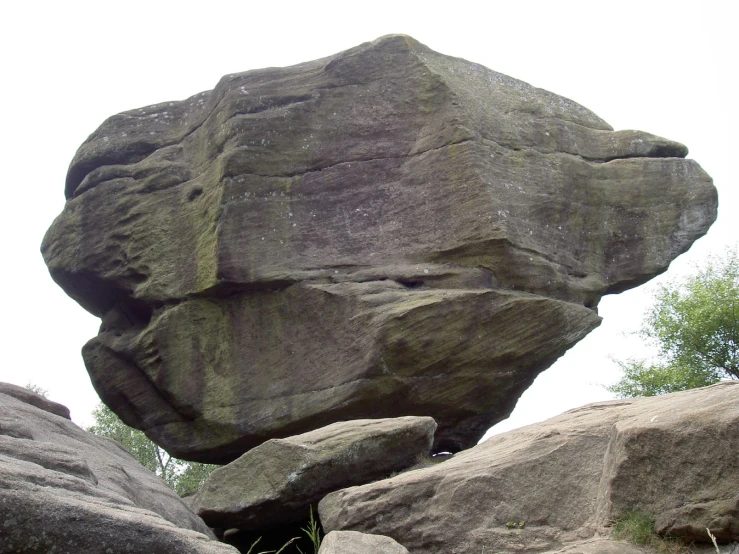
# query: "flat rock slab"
[[277, 482], [65, 490], [384, 232], [352, 542], [603, 545], [548, 485]]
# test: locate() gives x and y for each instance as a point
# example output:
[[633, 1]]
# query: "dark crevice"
[[280, 103], [447, 447], [225, 289], [658, 151], [194, 193], [411, 283], [99, 295], [128, 154]]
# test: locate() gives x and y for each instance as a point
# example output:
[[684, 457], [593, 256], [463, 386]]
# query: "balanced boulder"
[[65, 490], [279, 482], [553, 484], [384, 232]]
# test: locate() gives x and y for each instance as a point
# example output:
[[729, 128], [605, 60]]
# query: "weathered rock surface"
[[65, 490], [351, 542], [387, 231], [279, 481], [567, 479]]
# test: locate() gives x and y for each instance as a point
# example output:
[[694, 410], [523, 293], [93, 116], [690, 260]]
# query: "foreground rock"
[[65, 490], [387, 231], [548, 485], [279, 481], [351, 542]]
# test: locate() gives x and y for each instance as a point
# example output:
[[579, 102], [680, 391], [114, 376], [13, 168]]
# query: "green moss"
[[200, 222], [198, 349]]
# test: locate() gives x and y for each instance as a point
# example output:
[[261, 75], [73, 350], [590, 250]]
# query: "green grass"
[[312, 530], [637, 527], [634, 526]]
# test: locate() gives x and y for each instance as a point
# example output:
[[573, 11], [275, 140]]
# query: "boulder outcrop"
[[553, 484], [30, 397], [65, 490], [279, 481], [384, 232]]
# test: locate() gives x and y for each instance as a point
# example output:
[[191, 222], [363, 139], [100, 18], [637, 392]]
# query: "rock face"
[[351, 542], [543, 487], [279, 481], [385, 232], [65, 490]]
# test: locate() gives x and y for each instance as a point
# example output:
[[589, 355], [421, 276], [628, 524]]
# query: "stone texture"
[[65, 490], [351, 542], [567, 479], [384, 232], [279, 481]]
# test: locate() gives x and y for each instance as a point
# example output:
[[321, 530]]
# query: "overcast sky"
[[663, 67]]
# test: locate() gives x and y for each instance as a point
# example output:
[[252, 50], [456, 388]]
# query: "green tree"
[[33, 387], [184, 477], [693, 323]]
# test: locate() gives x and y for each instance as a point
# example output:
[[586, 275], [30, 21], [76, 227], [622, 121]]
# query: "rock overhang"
[[266, 256]]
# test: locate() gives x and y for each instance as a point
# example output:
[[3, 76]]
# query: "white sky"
[[666, 67]]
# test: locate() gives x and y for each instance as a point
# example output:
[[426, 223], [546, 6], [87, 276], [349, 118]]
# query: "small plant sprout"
[[313, 530], [284, 546], [713, 540], [253, 545]]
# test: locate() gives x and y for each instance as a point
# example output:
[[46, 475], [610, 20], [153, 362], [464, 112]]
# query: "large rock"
[[548, 485], [387, 231], [65, 490], [351, 542], [279, 481]]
